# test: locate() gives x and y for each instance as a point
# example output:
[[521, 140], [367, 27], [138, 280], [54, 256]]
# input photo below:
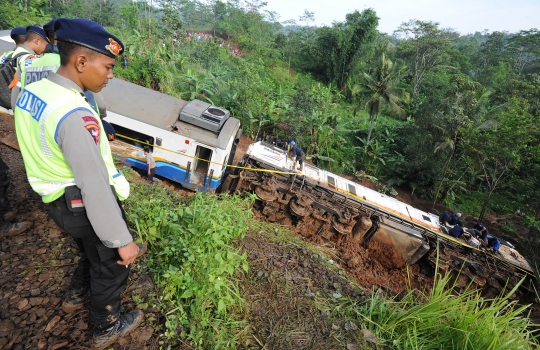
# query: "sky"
[[465, 16]]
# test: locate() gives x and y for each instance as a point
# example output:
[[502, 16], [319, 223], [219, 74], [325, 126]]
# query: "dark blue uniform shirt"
[[456, 231], [297, 151], [445, 217], [453, 220]]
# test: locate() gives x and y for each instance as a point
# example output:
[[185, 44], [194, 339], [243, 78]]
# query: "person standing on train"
[[35, 44], [151, 164], [17, 34], [296, 153], [69, 163]]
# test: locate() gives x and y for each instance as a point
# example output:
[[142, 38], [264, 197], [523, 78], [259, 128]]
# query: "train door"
[[201, 164]]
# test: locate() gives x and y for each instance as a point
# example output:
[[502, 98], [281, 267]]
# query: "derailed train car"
[[331, 207], [192, 142]]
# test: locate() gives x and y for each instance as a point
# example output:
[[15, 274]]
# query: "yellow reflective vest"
[[39, 110]]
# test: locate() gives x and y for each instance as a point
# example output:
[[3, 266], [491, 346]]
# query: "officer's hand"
[[128, 254]]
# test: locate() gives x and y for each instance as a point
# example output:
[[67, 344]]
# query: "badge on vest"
[[29, 102]]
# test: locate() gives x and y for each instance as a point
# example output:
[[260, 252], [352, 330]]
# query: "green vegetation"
[[192, 259], [444, 115], [458, 126], [204, 283], [440, 319]]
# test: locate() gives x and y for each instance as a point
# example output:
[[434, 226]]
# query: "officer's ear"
[[83, 56]]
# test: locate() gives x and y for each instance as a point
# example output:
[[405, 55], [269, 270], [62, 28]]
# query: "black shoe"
[[76, 299], [142, 249], [14, 229], [125, 324]]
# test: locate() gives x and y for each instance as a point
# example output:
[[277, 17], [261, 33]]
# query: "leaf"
[[221, 306], [187, 294]]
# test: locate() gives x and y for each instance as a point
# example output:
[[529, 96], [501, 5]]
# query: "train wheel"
[[267, 192], [300, 207]]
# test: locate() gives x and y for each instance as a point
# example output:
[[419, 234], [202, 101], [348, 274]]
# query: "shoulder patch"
[[29, 102], [92, 125]]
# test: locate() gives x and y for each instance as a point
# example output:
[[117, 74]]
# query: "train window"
[[331, 181], [134, 138], [352, 189], [426, 218]]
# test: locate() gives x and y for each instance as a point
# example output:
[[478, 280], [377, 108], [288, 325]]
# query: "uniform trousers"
[[97, 268]]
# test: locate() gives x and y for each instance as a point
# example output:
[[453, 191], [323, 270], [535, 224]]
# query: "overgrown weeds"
[[192, 259], [442, 320]]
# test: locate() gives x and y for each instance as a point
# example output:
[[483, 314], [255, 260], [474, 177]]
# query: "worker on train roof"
[[297, 154]]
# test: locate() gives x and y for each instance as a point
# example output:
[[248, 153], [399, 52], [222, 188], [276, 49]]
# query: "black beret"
[[18, 31], [89, 34], [49, 27], [38, 30]]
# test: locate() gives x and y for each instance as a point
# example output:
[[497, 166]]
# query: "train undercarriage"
[[324, 215]]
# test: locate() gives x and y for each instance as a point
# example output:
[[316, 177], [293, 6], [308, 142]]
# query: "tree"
[[385, 92], [426, 47], [466, 107], [499, 151]]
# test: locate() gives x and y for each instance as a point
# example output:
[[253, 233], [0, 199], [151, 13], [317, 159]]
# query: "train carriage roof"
[[145, 105], [162, 111]]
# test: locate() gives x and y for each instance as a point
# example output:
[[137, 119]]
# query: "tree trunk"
[[484, 207], [445, 169], [371, 124]]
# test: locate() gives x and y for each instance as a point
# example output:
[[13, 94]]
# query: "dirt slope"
[[35, 272]]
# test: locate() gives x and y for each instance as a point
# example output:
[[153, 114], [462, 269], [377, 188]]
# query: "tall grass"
[[440, 319], [192, 260]]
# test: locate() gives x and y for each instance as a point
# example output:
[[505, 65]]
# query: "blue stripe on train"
[[173, 172]]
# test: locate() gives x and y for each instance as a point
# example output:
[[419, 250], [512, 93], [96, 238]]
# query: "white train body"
[[278, 158], [189, 146]]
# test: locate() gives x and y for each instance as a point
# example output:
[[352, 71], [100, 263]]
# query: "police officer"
[[69, 163], [17, 34], [35, 43], [457, 231], [41, 67], [298, 154], [454, 219]]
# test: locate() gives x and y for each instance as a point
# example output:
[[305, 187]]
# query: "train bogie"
[[324, 207]]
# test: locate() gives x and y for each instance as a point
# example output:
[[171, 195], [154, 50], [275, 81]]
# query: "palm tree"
[[386, 94]]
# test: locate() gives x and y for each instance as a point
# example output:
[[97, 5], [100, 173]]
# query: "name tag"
[[29, 102]]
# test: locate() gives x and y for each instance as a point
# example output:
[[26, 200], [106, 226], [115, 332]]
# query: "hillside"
[[294, 295]]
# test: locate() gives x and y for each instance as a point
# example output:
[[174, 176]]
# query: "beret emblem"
[[114, 47]]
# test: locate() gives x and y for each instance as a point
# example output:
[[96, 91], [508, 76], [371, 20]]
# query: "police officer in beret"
[[42, 66], [69, 163], [17, 35], [35, 43]]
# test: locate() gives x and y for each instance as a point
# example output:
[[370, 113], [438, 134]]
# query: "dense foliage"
[[193, 260], [450, 117]]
